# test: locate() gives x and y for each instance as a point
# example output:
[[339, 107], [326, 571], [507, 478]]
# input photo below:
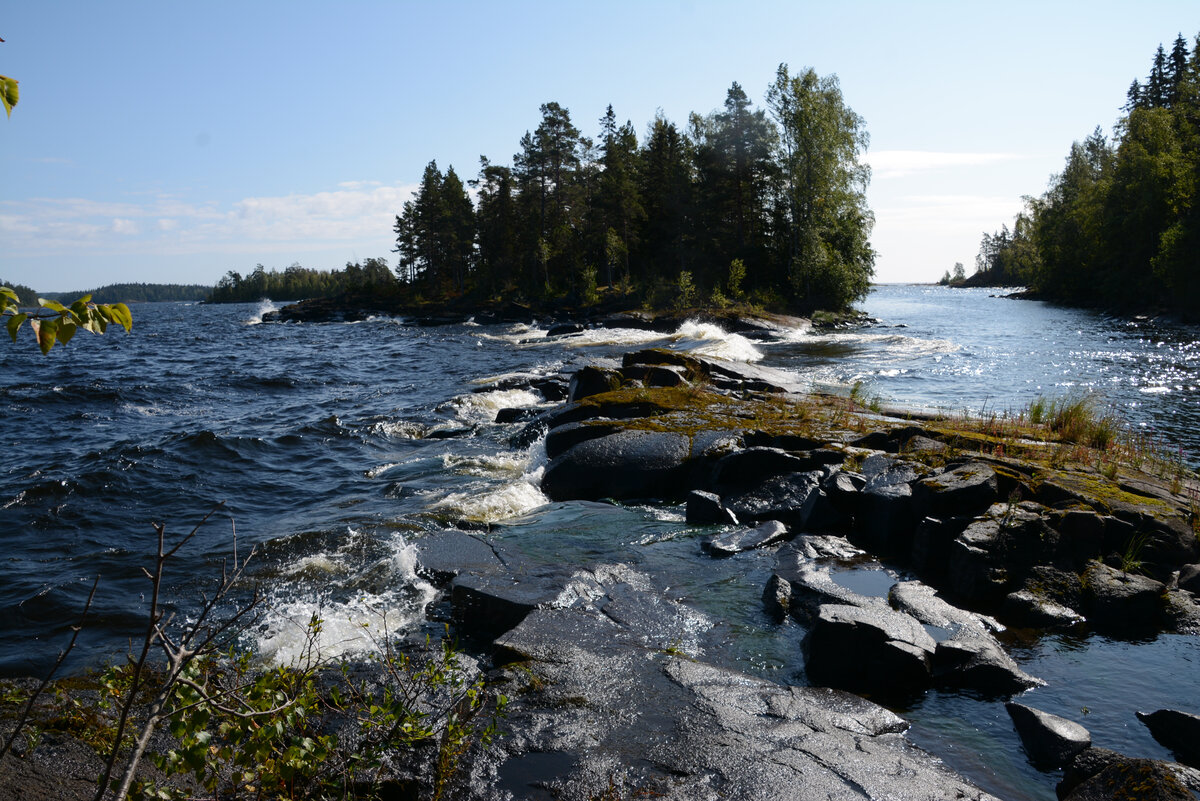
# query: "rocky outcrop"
[[996, 540], [610, 693]]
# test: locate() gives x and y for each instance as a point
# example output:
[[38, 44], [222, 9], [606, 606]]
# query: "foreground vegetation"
[[1120, 225], [213, 721], [766, 202]]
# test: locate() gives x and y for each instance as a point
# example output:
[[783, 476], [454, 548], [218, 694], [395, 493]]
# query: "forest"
[[744, 204], [1119, 227], [137, 293]]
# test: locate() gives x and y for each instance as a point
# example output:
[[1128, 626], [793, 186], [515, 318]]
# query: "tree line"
[[297, 282], [138, 293], [744, 203], [1120, 225]]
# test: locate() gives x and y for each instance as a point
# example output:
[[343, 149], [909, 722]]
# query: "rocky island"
[[1005, 524]]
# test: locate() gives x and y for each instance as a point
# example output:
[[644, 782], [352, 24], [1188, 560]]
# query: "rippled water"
[[965, 350], [334, 446]]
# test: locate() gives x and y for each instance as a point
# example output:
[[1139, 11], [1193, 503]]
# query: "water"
[[335, 446], [957, 350]]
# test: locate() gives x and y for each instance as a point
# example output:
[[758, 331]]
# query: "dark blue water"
[[334, 446]]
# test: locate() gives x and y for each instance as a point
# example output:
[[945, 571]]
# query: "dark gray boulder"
[[1121, 602], [1092, 761], [791, 499], [1049, 740], [873, 650], [745, 539], [626, 464], [656, 376], [1127, 778], [930, 551], [562, 438], [975, 660], [976, 566], [750, 466], [1029, 609], [1189, 579], [1178, 731], [590, 380], [1181, 612], [883, 510], [968, 489], [706, 507]]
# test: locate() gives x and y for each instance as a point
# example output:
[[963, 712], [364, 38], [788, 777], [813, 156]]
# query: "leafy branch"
[[54, 322]]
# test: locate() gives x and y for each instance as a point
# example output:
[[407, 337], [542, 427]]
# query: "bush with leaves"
[[238, 729]]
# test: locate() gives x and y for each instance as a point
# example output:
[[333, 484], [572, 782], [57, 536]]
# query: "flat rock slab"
[[603, 702], [965, 490], [746, 539]]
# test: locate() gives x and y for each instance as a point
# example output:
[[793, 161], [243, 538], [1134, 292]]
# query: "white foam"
[[400, 429], [263, 307], [481, 407], [500, 464], [351, 626], [709, 339], [490, 506], [491, 503]]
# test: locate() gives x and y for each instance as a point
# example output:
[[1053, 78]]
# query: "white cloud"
[[900, 163], [356, 214]]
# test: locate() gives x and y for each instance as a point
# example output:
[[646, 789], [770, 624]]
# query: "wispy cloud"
[[900, 163], [942, 212], [357, 213]]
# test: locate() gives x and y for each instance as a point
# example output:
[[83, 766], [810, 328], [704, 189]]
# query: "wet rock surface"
[[609, 688]]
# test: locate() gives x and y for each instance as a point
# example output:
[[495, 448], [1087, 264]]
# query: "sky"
[[172, 142]]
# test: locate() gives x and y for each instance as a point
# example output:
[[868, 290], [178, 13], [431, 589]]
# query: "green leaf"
[[46, 332], [53, 305], [122, 315], [10, 294], [66, 330], [14, 325], [8, 93]]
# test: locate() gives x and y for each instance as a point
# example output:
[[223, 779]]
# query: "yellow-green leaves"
[[8, 93], [58, 323]]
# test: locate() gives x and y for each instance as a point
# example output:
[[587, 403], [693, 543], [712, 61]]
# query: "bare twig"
[[62, 656]]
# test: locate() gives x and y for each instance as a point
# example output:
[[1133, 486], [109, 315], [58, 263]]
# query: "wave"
[[263, 307], [481, 407], [382, 598]]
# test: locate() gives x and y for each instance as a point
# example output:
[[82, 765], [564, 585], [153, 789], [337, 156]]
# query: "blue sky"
[[172, 142]]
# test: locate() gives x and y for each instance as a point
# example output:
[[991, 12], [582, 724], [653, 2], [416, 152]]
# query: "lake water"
[[335, 446]]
